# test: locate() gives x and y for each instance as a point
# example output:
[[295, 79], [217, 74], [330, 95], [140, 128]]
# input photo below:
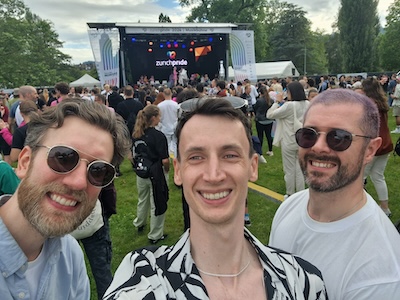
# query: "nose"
[[213, 170], [321, 145], [77, 179]]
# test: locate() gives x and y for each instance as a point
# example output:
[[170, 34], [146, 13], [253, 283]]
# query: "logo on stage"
[[171, 62], [171, 54]]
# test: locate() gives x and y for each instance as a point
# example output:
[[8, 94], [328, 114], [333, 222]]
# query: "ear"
[[372, 147], [24, 160], [253, 173], [177, 173]]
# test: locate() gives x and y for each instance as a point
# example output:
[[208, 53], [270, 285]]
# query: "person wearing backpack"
[[150, 152]]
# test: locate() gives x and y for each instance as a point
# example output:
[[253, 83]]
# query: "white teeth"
[[321, 165], [215, 196], [62, 200]]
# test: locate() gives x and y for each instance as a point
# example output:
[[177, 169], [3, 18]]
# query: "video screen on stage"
[[157, 55]]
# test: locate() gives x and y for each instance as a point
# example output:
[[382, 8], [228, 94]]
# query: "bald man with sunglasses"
[[336, 224], [70, 154]]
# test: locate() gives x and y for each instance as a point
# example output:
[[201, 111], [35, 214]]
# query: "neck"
[[28, 239], [334, 206], [210, 245]]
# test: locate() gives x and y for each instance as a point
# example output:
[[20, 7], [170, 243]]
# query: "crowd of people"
[[329, 238]]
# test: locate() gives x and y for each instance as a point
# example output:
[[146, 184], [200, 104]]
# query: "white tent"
[[268, 70], [86, 81]]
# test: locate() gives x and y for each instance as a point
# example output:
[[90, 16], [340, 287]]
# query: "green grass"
[[125, 237]]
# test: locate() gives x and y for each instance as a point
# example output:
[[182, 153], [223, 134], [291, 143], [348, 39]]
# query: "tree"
[[249, 13], [291, 38], [358, 25], [164, 19], [29, 53], [390, 42]]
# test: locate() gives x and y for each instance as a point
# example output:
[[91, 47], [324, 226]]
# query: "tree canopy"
[[29, 52]]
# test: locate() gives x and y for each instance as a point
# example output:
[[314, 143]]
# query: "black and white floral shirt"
[[169, 272]]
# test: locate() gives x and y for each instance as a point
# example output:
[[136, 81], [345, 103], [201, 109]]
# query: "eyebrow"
[[225, 147]]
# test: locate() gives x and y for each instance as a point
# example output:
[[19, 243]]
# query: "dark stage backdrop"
[[156, 55]]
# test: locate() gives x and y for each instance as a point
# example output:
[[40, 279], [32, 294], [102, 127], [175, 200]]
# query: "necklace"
[[227, 275], [353, 209]]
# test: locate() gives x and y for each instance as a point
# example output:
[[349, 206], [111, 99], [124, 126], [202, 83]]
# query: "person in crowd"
[[17, 140], [214, 166], [169, 118], [391, 86], [336, 224], [159, 98], [376, 168], [221, 89], [62, 92], [26, 93], [9, 181], [200, 88], [396, 105], [289, 115], [152, 144], [114, 98], [263, 124], [61, 176], [324, 84], [129, 108], [312, 92]]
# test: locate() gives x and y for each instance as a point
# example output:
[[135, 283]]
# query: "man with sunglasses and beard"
[[70, 154], [335, 224]]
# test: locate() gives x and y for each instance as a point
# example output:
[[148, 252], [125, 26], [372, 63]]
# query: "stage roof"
[[157, 28]]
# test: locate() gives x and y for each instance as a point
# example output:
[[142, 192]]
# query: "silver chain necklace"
[[226, 275]]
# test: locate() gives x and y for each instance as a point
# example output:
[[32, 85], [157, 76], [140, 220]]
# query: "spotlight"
[[190, 49], [161, 45], [176, 45], [133, 39], [149, 50], [151, 43], [183, 46], [210, 39], [192, 43], [168, 45]]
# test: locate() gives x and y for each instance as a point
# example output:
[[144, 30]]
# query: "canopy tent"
[[268, 70], [86, 81]]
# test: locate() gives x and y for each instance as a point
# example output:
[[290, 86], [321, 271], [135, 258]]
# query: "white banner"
[[243, 55], [105, 47]]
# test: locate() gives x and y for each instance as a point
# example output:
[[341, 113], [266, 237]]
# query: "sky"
[[69, 17]]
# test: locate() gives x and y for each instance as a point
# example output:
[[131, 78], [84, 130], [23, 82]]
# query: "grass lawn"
[[125, 237]]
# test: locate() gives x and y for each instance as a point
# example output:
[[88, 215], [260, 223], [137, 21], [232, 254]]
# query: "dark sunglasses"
[[65, 159], [337, 139]]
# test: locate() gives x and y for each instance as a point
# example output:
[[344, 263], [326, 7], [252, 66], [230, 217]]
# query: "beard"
[[343, 177], [48, 221]]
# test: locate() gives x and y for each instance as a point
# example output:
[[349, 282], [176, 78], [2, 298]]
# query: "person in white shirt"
[[169, 118], [336, 224]]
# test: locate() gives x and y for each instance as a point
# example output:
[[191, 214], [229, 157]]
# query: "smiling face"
[[55, 204], [327, 170], [214, 168]]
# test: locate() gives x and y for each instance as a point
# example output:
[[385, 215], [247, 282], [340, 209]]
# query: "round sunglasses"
[[65, 159], [337, 139]]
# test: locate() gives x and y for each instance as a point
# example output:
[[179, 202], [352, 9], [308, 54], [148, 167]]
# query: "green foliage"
[[29, 53], [164, 19], [358, 25], [390, 43]]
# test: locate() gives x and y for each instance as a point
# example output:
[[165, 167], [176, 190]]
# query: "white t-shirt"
[[169, 116], [359, 256], [35, 270]]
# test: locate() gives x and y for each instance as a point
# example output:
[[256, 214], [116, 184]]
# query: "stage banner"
[[243, 56], [105, 47]]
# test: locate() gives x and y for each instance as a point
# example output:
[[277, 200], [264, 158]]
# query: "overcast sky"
[[70, 17]]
